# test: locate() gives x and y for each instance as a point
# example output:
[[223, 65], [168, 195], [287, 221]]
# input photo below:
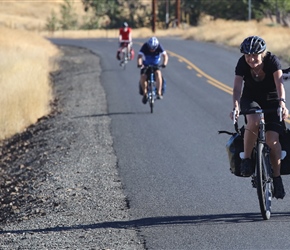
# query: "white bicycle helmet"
[[253, 45], [153, 43]]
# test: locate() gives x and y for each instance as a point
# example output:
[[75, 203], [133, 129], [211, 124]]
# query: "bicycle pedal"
[[254, 183]]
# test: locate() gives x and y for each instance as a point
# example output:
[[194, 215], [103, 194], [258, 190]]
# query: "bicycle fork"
[[267, 170], [151, 88]]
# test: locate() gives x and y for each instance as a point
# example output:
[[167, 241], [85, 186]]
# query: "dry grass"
[[32, 14], [24, 79], [233, 33], [25, 60]]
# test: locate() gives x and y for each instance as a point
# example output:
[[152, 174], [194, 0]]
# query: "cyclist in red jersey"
[[125, 36]]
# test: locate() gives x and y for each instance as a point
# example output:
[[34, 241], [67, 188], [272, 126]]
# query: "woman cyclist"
[[150, 54], [125, 36], [261, 74]]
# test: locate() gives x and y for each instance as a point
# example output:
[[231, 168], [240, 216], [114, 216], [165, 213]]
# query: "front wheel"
[[264, 180], [151, 106], [151, 95], [151, 100]]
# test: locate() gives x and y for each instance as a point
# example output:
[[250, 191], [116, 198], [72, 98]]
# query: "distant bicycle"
[[125, 54], [262, 178], [151, 85]]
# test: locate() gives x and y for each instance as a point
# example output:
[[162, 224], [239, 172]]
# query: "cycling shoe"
[[279, 191]]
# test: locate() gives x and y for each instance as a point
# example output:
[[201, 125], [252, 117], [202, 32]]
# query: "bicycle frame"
[[263, 171], [124, 54], [151, 85], [262, 179]]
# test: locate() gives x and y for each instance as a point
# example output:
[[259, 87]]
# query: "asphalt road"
[[173, 164]]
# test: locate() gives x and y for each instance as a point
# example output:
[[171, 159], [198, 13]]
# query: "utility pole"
[[249, 10], [154, 15], [167, 15], [177, 14]]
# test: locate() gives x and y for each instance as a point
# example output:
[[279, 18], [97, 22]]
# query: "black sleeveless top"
[[259, 90]]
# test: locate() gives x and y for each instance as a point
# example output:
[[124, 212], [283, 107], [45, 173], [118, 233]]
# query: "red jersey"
[[125, 34]]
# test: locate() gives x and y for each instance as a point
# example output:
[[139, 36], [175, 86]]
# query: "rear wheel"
[[264, 181]]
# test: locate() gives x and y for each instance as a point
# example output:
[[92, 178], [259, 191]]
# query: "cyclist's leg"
[[272, 140], [143, 83], [251, 132], [250, 136], [129, 51], [122, 51], [274, 127], [158, 77], [251, 127], [119, 52]]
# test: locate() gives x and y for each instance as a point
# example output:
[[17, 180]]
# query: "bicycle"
[[151, 85], [125, 54], [262, 178]]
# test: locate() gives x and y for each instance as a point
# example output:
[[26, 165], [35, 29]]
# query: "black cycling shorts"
[[272, 120], [144, 68]]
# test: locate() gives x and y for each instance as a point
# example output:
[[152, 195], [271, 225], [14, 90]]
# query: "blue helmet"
[[253, 45], [153, 43]]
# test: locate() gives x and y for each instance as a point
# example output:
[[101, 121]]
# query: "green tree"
[[68, 19], [227, 9], [117, 11], [105, 8], [52, 23], [90, 23], [280, 9], [193, 9]]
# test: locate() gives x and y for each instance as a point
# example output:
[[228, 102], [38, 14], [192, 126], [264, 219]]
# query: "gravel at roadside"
[[60, 187]]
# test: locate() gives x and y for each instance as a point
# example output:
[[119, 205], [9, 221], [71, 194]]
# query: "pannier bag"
[[234, 147], [285, 144]]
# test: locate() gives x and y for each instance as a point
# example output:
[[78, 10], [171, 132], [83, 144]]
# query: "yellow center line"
[[211, 81]]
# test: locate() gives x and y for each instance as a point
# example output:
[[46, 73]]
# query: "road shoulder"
[[71, 196]]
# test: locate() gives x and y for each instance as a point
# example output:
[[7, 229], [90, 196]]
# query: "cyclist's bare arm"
[[237, 91], [139, 61], [165, 58]]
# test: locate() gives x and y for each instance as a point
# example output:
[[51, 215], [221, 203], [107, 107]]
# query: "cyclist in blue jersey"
[[151, 53]]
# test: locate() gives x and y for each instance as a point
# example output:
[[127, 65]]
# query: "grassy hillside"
[[32, 14], [26, 93]]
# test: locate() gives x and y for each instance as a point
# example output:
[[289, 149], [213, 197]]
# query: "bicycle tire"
[[125, 57], [264, 181], [151, 101], [151, 106]]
